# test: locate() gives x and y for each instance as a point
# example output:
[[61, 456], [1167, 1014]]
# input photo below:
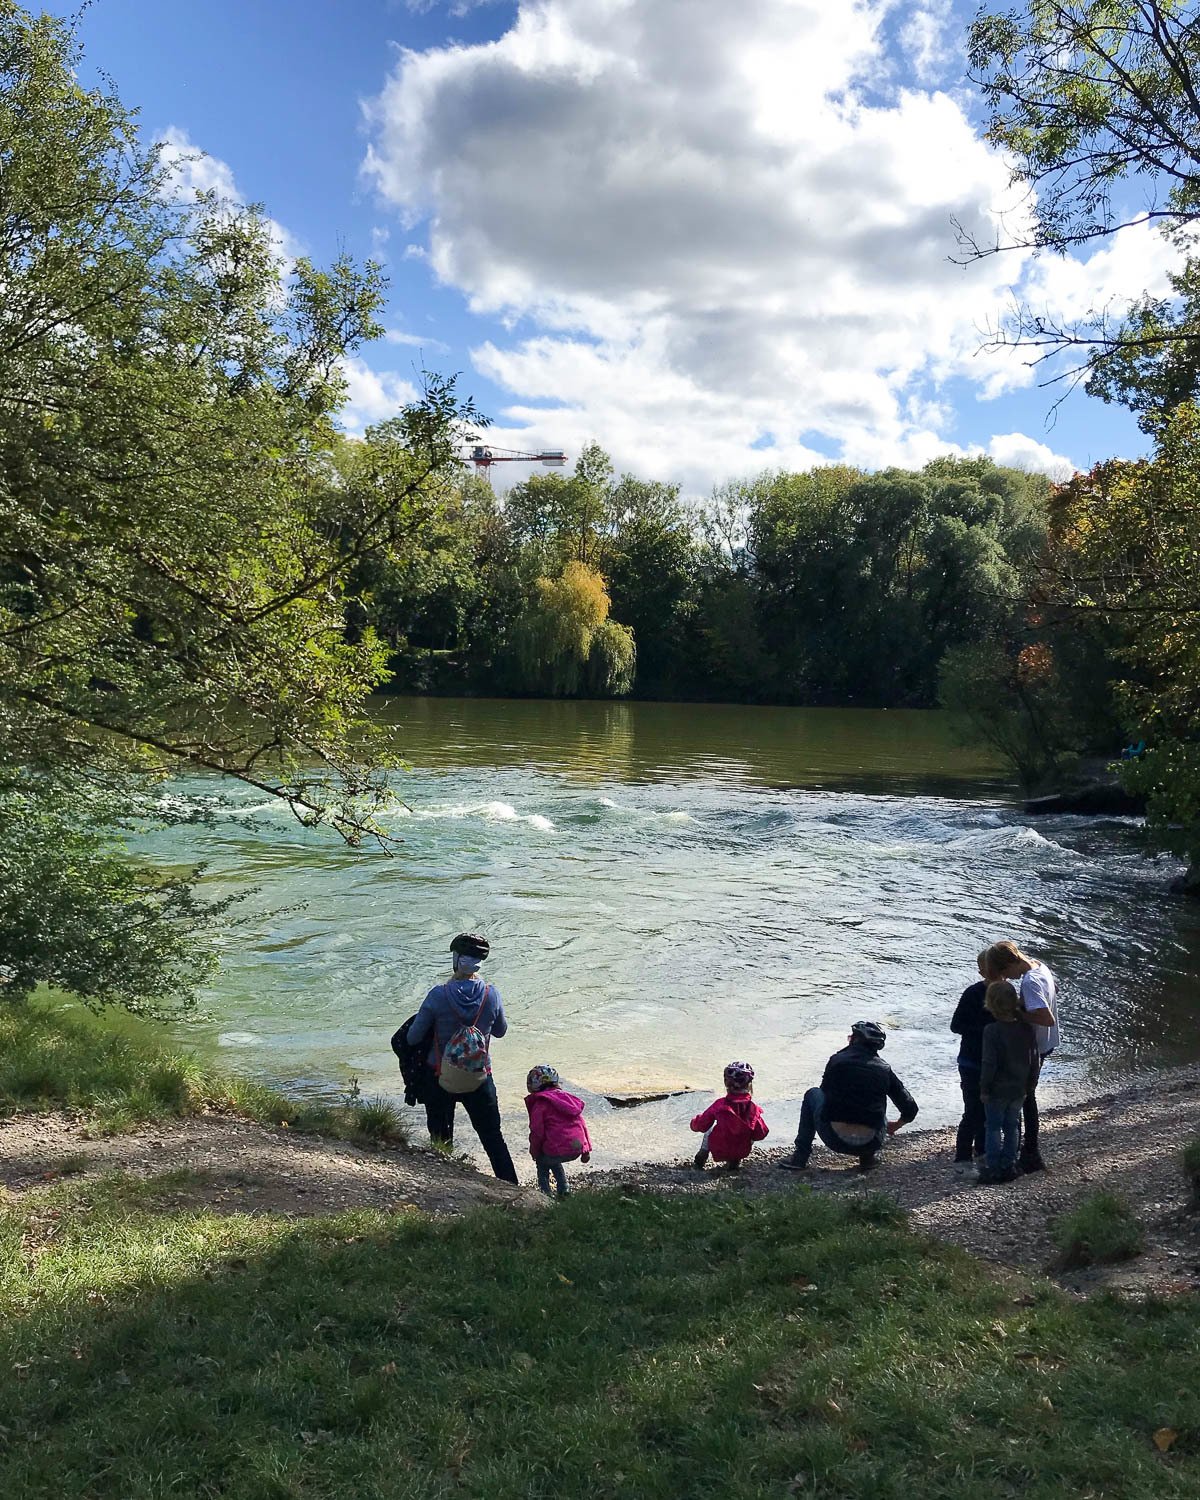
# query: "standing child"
[[731, 1125], [557, 1133], [1009, 1071]]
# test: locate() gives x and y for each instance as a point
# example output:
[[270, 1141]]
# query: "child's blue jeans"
[[547, 1164], [1002, 1119]]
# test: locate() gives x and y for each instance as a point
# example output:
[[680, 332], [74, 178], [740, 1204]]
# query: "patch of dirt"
[[244, 1167], [1128, 1142]]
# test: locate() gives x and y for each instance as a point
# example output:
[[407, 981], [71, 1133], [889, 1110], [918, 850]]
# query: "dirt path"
[[1128, 1142], [244, 1167]]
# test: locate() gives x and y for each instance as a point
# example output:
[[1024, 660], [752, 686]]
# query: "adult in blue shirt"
[[464, 1000]]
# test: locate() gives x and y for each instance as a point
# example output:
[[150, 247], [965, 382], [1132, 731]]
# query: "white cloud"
[[372, 395], [1021, 452], [416, 341], [194, 172], [928, 38], [727, 225]]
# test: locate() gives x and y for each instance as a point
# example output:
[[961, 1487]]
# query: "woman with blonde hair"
[[1037, 993]]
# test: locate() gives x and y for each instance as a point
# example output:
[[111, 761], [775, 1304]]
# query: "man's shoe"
[[794, 1163], [868, 1160], [1032, 1163], [700, 1160], [961, 1160], [1007, 1174]]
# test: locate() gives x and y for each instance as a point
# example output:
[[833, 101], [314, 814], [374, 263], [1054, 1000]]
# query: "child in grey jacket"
[[1008, 1071]]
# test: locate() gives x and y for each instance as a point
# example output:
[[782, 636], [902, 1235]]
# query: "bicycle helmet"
[[542, 1076], [470, 945], [739, 1076], [870, 1034]]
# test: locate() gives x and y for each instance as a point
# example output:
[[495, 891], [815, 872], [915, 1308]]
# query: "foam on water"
[[489, 812]]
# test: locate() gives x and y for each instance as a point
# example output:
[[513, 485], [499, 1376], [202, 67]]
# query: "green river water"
[[669, 886]]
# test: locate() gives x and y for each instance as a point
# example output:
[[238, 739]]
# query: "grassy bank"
[[630, 1347], [613, 1346], [53, 1060]]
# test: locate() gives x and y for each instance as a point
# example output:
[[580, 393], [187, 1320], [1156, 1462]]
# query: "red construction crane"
[[483, 458]]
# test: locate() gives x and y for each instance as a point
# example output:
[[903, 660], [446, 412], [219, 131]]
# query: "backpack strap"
[[436, 1045]]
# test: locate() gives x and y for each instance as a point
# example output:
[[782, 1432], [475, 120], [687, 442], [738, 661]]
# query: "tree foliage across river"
[[831, 587]]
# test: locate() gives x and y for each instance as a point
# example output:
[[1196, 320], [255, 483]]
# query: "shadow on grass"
[[615, 1347]]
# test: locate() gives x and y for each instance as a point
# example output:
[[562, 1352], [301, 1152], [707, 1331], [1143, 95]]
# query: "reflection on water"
[[909, 749], [670, 886]]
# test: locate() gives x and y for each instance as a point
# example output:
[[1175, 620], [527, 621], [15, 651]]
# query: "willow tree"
[[175, 529], [564, 642]]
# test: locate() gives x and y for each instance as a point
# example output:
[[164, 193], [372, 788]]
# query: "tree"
[[1013, 701], [1085, 93], [557, 520], [1089, 95], [78, 914], [652, 574], [177, 523], [866, 580], [565, 643], [1126, 553]]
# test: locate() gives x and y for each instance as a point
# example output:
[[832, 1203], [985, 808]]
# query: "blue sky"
[[710, 237]]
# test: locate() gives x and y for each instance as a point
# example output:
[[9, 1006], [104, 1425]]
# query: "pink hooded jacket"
[[556, 1125], [736, 1123]]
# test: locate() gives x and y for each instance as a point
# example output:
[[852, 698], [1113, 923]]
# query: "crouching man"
[[849, 1110]]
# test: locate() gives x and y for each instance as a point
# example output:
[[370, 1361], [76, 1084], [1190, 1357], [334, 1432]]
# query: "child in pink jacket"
[[557, 1133], [731, 1125]]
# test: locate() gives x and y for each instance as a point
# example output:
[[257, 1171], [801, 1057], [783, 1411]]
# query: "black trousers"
[[970, 1140], [1029, 1114], [483, 1111]]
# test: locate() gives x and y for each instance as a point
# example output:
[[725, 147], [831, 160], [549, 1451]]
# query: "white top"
[[1038, 990]]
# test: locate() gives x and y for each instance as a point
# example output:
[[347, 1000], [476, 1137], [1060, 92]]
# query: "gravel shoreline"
[[1127, 1141]]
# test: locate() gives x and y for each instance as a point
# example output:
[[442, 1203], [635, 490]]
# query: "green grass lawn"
[[50, 1058], [612, 1346]]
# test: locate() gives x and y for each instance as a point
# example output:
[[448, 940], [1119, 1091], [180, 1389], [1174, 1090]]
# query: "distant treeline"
[[829, 587]]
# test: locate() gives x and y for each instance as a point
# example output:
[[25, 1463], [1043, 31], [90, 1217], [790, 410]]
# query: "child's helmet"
[[739, 1075], [543, 1076]]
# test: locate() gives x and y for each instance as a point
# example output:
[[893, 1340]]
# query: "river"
[[669, 886]]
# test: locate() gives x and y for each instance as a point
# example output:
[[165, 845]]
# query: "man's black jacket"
[[857, 1086]]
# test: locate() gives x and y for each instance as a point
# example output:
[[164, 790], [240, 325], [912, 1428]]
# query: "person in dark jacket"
[[464, 1000], [1008, 1073], [968, 1023], [849, 1110]]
